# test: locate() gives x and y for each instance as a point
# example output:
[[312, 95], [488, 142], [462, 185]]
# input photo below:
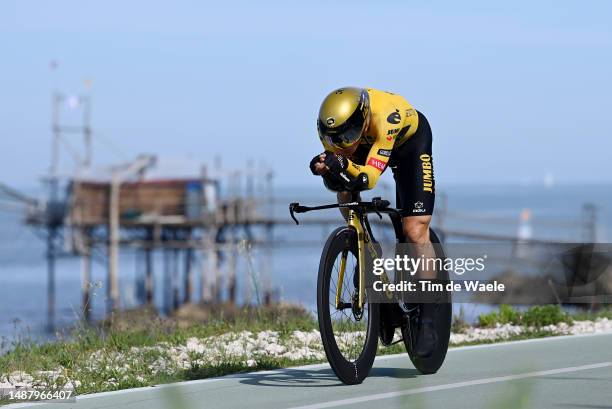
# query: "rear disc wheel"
[[440, 316]]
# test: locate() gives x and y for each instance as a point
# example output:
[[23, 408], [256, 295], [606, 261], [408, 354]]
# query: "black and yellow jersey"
[[393, 121]]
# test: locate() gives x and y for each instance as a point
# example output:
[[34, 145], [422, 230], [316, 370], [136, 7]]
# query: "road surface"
[[559, 372]]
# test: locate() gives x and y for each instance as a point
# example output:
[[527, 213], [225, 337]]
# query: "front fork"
[[362, 240], [355, 223], [341, 278], [364, 243]]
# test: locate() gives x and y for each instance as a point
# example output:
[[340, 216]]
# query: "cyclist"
[[364, 131]]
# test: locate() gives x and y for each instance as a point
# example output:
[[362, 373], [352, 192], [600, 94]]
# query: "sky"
[[516, 92]]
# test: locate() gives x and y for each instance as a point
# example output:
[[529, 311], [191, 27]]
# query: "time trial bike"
[[350, 319]]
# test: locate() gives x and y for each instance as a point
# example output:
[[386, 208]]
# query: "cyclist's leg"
[[347, 197], [415, 186], [415, 190]]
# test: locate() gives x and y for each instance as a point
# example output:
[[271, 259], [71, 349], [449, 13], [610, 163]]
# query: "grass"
[[537, 316], [459, 323], [131, 351], [592, 315], [113, 342]]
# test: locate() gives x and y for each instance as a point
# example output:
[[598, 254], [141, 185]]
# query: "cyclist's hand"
[[317, 165], [335, 163]]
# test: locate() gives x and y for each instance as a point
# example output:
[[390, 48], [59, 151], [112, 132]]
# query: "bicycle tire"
[[349, 372], [442, 318]]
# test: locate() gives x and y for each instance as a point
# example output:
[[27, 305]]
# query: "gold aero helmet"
[[343, 117]]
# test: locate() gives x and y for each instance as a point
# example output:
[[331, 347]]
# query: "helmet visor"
[[345, 135]]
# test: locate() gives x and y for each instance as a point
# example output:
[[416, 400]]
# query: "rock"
[[194, 345], [20, 379]]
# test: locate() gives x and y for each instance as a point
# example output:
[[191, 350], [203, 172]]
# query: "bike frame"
[[358, 221]]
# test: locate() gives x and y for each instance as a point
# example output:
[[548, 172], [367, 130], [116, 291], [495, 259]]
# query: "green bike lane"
[[557, 372]]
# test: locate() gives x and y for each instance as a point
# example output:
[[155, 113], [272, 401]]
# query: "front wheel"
[[349, 333]]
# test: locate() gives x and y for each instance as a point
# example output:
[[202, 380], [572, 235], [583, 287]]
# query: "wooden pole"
[[176, 301], [232, 251], [53, 198], [232, 269], [267, 273], [188, 275], [137, 167], [51, 279], [113, 245], [204, 293], [207, 213], [156, 237], [87, 131], [167, 290], [86, 281], [214, 264], [149, 275]]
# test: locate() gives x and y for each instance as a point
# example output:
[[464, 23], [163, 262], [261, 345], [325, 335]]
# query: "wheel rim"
[[349, 324]]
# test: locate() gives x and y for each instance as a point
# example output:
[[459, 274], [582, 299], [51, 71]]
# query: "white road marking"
[[456, 385]]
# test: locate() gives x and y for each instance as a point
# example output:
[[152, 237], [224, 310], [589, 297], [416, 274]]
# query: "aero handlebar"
[[375, 206]]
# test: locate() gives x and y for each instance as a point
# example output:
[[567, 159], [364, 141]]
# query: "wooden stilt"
[[51, 279], [86, 281], [176, 300], [188, 275], [148, 284], [231, 285]]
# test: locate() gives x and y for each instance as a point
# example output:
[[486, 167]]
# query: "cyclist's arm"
[[376, 161]]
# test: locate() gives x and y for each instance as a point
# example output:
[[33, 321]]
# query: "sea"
[[289, 267]]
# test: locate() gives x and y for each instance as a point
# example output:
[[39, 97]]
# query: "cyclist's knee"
[[344, 197], [416, 229], [347, 196]]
